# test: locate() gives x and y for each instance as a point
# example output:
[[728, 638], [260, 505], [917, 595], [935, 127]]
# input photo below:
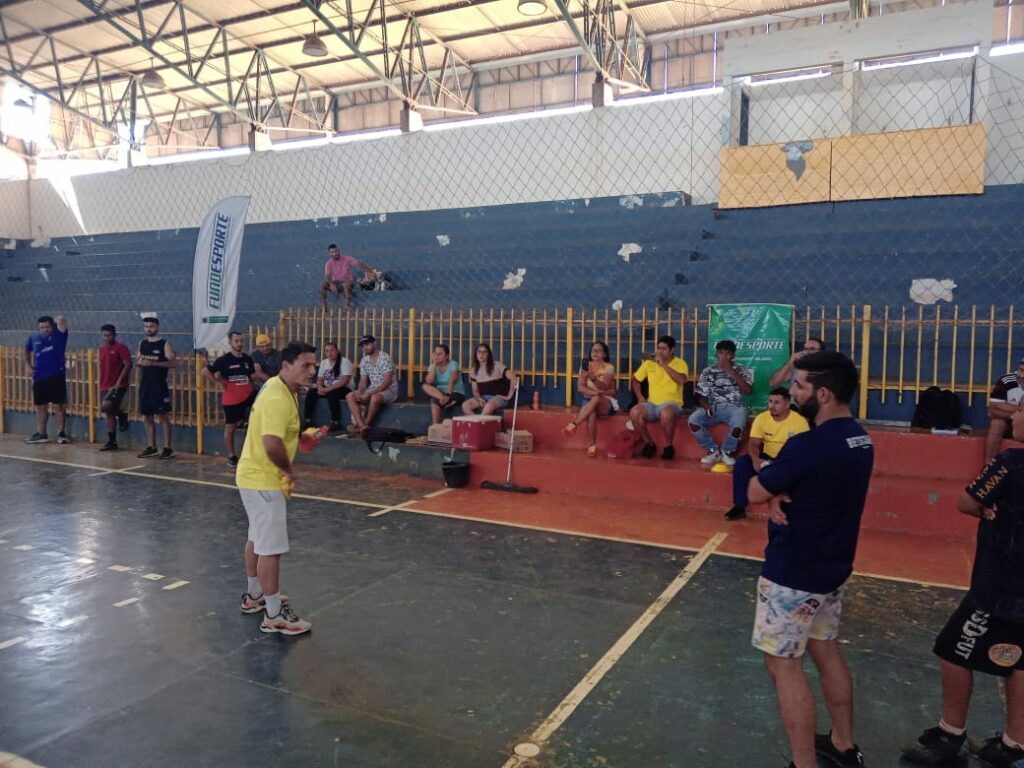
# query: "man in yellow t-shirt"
[[665, 376], [265, 478], [769, 432]]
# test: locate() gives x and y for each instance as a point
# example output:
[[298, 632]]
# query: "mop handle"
[[515, 410]]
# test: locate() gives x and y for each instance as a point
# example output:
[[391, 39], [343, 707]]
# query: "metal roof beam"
[[619, 60]]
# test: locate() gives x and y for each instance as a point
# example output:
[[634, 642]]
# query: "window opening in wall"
[[789, 75], [923, 57], [25, 115]]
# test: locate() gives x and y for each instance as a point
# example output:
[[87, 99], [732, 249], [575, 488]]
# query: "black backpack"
[[376, 437], [937, 409]]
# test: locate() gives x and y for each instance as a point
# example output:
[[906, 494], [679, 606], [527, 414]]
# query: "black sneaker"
[[823, 745], [648, 450], [37, 437], [149, 453], [668, 453], [167, 453], [933, 747], [736, 513], [232, 461], [62, 438], [122, 421], [110, 445], [995, 752], [335, 428]]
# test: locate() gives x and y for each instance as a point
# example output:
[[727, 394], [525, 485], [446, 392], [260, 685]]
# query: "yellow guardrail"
[[900, 351]]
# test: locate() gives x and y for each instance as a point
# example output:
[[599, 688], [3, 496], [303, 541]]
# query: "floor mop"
[[508, 485]]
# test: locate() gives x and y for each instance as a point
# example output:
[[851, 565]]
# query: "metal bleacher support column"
[[199, 404], [90, 362], [568, 357], [865, 361], [3, 391], [737, 120]]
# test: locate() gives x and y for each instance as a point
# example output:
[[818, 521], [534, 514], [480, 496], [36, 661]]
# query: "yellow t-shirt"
[[776, 433], [275, 412], [660, 387]]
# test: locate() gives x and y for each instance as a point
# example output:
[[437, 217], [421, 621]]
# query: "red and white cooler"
[[475, 433]]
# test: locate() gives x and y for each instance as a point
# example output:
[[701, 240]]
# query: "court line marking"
[[435, 494], [575, 697], [13, 641], [154, 576], [23, 547], [118, 568], [171, 478], [128, 601], [114, 471], [385, 510], [507, 524], [175, 585], [71, 622]]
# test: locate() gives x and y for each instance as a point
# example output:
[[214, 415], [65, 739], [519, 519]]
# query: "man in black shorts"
[[115, 366], [986, 632], [155, 359], [44, 355], [233, 372]]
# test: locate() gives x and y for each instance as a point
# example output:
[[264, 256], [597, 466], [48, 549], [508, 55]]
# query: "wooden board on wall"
[[930, 161], [775, 174]]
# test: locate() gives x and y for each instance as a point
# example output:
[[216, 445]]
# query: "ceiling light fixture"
[[313, 45], [532, 7], [152, 79]]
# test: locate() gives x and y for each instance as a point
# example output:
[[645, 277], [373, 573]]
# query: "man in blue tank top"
[[815, 489], [154, 361]]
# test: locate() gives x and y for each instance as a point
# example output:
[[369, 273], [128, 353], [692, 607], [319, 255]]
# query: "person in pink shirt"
[[338, 273]]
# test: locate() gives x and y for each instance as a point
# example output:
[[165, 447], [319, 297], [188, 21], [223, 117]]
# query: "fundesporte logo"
[[218, 256]]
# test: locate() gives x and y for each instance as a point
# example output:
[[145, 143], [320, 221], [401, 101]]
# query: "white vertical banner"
[[215, 271]]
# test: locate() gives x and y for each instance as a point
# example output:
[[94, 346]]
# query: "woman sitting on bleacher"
[[491, 381], [597, 385], [443, 384]]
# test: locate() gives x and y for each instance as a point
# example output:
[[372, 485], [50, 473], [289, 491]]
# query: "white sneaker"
[[728, 459], [711, 457]]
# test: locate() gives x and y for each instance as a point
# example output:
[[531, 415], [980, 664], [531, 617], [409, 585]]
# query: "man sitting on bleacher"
[[721, 388], [1002, 404], [769, 432]]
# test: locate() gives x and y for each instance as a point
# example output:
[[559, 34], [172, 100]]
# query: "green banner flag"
[[762, 336]]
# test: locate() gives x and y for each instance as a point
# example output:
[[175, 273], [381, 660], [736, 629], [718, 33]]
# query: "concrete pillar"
[[259, 139], [736, 122], [601, 95], [412, 120], [851, 84]]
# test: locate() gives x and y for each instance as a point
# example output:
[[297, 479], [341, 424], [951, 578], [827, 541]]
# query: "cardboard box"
[[522, 441], [474, 433], [440, 434]]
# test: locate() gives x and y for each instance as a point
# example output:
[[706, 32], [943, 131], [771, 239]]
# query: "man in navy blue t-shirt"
[[44, 355], [815, 490], [986, 633]]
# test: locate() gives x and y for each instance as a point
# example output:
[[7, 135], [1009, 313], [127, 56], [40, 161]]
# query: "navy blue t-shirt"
[[997, 581], [826, 473], [48, 352]]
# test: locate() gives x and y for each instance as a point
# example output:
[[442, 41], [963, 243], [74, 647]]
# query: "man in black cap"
[[378, 385]]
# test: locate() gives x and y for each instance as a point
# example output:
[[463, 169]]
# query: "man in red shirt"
[[234, 372], [115, 365], [338, 272]]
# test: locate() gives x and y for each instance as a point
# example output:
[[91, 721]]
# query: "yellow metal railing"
[[900, 351]]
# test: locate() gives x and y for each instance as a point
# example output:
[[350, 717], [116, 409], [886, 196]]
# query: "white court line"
[[71, 622], [115, 471], [12, 641], [175, 585], [23, 547], [118, 568], [568, 705], [123, 603], [435, 494], [154, 576], [85, 561]]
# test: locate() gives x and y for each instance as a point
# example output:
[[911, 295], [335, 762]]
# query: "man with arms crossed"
[[986, 633], [265, 479], [155, 359], [44, 355], [115, 365], [815, 490]]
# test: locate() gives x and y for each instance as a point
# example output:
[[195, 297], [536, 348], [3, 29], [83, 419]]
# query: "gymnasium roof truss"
[[619, 60], [401, 68]]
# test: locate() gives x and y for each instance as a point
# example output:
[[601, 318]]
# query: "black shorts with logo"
[[154, 399], [233, 414], [115, 395], [975, 639], [52, 389]]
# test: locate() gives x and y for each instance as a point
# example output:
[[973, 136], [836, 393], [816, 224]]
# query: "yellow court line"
[[575, 697]]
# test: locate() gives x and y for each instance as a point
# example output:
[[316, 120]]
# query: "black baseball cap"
[[367, 339]]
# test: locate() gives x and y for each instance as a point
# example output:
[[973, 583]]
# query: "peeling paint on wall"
[[631, 202], [10, 245], [514, 280], [443, 240], [382, 218], [929, 290], [627, 250], [42, 242], [617, 305]]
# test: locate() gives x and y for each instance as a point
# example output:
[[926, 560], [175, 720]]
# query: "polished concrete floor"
[[437, 640]]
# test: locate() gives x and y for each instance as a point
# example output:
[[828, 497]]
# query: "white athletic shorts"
[[268, 524]]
